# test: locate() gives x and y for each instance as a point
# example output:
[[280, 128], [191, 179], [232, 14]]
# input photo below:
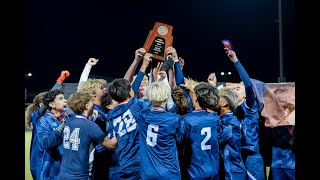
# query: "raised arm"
[[146, 60], [244, 77], [172, 81], [64, 74], [191, 93], [156, 71], [179, 77], [139, 53], [86, 70]]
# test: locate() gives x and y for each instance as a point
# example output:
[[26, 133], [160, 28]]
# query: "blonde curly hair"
[[33, 107], [91, 85]]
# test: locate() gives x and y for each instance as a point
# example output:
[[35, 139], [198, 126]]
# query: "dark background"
[[57, 35], [63, 35]]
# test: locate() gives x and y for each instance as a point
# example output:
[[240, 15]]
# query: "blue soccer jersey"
[[283, 158], [180, 80], [283, 153], [35, 150], [101, 122], [249, 114], [79, 134], [230, 145], [250, 127], [159, 132], [51, 149], [201, 153], [125, 162]]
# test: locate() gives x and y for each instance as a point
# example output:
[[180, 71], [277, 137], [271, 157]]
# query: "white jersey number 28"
[[129, 121]]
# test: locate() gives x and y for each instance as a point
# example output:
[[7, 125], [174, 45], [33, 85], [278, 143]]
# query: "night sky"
[[63, 35]]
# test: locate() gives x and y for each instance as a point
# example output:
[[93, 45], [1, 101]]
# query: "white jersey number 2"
[[206, 131]]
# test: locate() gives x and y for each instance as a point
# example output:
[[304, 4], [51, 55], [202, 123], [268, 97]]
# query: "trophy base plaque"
[[158, 40]]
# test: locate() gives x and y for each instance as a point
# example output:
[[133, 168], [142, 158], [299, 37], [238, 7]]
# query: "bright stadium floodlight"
[[29, 74], [229, 73], [222, 73]]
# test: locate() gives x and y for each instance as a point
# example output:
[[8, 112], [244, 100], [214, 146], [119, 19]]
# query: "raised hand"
[[181, 62], [187, 84], [92, 61], [139, 53], [156, 71], [163, 75], [212, 79], [62, 76], [172, 51], [231, 54], [146, 60]]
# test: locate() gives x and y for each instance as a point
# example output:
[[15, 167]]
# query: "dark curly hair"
[[50, 96], [119, 89], [105, 101]]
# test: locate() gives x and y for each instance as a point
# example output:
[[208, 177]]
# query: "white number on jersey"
[[152, 136], [73, 138], [128, 119], [204, 131]]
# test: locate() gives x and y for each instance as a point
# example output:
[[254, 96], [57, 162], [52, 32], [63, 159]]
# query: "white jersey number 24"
[[72, 138]]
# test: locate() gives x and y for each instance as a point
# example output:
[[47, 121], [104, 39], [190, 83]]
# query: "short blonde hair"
[[91, 85], [230, 96], [157, 92]]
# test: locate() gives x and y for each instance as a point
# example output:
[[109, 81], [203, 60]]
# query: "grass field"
[[27, 138]]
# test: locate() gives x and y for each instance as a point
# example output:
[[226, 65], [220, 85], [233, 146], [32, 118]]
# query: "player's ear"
[[51, 104], [131, 94]]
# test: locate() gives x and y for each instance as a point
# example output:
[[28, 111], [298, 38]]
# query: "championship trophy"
[[158, 40]]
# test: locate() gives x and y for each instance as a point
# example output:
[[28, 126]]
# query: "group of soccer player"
[[157, 125]]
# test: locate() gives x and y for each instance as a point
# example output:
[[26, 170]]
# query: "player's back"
[[158, 142], [201, 144], [79, 134], [125, 157]]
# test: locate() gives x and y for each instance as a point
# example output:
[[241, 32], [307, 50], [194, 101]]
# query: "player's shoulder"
[[45, 117], [175, 115], [190, 114], [214, 114]]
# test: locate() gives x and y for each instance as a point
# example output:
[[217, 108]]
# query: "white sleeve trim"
[[84, 75]]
